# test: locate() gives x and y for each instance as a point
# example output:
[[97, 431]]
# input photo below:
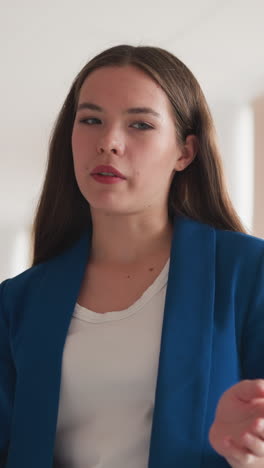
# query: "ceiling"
[[44, 45]]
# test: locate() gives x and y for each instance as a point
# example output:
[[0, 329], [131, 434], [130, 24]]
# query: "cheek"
[[76, 141], [78, 156], [79, 149], [75, 151]]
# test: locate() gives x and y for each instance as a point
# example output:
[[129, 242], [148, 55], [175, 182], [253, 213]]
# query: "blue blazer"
[[212, 337]]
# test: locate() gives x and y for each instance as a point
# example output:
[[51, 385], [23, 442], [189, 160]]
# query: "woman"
[[136, 337]]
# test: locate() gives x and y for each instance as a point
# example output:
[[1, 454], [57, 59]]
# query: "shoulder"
[[238, 241], [242, 252], [34, 281], [234, 254], [233, 243], [15, 288]]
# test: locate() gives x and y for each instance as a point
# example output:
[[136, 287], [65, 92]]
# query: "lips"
[[109, 169]]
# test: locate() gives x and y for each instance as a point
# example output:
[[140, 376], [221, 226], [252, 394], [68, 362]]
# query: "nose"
[[102, 150], [111, 143]]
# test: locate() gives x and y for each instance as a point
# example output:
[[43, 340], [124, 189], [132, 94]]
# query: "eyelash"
[[147, 126]]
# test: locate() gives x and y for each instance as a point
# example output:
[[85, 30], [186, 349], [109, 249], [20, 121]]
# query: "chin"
[[107, 209]]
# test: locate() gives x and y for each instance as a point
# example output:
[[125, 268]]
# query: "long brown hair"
[[198, 192]]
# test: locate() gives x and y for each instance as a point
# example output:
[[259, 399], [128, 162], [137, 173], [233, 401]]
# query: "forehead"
[[124, 85]]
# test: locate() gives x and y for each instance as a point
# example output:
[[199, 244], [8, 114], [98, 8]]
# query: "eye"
[[143, 126], [90, 121]]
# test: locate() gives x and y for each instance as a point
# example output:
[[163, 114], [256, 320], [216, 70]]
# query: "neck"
[[127, 240]]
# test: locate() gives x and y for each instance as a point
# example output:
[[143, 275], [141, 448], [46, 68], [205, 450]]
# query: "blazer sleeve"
[[7, 380], [253, 334]]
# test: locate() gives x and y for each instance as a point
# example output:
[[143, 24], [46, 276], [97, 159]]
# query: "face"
[[124, 120]]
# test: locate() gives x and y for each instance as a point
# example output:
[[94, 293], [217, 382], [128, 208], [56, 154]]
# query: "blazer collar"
[[183, 379]]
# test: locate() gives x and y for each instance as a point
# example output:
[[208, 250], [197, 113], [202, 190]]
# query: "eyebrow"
[[132, 110]]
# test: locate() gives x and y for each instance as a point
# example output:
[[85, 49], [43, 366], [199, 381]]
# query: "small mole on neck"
[[151, 268]]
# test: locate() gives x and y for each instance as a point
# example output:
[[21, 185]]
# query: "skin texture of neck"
[[127, 239]]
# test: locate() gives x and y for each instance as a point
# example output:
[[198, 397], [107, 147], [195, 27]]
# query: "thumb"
[[247, 390]]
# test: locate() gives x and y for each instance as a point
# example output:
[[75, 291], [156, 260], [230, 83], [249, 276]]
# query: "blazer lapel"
[[185, 354]]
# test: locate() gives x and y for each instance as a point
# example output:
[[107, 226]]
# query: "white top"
[[109, 373]]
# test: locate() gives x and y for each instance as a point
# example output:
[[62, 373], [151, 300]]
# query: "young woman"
[[136, 338]]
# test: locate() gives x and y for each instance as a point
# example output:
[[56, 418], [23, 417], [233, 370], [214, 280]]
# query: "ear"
[[188, 152]]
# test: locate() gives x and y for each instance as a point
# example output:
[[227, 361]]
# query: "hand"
[[237, 432]]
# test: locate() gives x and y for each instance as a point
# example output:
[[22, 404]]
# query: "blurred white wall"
[[235, 127], [14, 250], [258, 215]]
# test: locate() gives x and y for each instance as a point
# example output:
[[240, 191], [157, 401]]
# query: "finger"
[[254, 444], [236, 454], [257, 428], [247, 390]]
